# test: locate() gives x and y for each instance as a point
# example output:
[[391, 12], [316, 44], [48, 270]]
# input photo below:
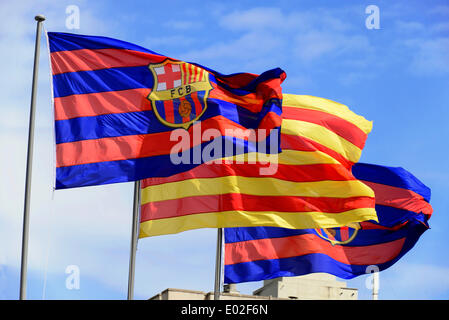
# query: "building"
[[317, 286]]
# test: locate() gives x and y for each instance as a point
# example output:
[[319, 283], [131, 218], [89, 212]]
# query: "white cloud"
[[315, 44], [183, 24], [254, 19], [439, 10], [430, 56], [442, 27], [409, 26], [262, 50], [270, 18]]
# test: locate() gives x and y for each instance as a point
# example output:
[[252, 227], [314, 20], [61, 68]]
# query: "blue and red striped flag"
[[116, 105], [403, 209]]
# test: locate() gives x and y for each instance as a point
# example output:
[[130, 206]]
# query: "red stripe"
[[341, 127], [366, 225], [86, 59], [94, 104], [238, 80], [184, 72], [344, 233], [254, 102], [190, 72], [287, 172], [290, 142], [243, 202], [270, 120], [169, 111], [399, 198], [197, 104], [195, 74], [278, 248], [131, 147]]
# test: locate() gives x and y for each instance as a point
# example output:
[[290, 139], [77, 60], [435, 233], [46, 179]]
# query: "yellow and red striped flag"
[[313, 186]]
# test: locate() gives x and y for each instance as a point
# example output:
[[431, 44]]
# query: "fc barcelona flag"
[[117, 104], [403, 209]]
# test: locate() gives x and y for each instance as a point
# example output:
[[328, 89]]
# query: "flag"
[[403, 210], [117, 106], [308, 185]]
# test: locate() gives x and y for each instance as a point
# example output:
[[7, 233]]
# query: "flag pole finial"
[[39, 18]]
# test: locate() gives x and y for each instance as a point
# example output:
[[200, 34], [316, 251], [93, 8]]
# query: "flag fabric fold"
[[403, 210], [310, 184], [117, 104]]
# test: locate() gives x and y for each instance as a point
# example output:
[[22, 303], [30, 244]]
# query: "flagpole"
[[376, 285], [217, 287], [26, 209], [134, 235]]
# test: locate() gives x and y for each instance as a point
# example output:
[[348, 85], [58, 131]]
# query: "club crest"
[[340, 236], [180, 92]]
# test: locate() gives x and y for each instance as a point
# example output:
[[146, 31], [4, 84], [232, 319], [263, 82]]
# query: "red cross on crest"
[[168, 76]]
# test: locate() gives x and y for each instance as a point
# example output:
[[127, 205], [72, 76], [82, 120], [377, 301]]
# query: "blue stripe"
[[137, 169], [254, 233], [177, 116], [391, 176], [145, 122], [390, 217], [289, 267], [112, 79], [160, 105], [60, 41]]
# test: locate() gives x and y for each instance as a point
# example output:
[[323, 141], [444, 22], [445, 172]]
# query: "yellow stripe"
[[329, 106], [290, 157], [260, 186], [196, 70], [322, 135], [228, 219]]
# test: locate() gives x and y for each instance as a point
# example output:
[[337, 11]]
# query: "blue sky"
[[397, 76]]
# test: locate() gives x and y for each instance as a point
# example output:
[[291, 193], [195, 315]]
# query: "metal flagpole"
[[376, 285], [134, 234], [26, 209], [217, 286]]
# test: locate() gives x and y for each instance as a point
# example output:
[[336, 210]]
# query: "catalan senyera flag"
[[403, 210], [312, 185], [116, 105]]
